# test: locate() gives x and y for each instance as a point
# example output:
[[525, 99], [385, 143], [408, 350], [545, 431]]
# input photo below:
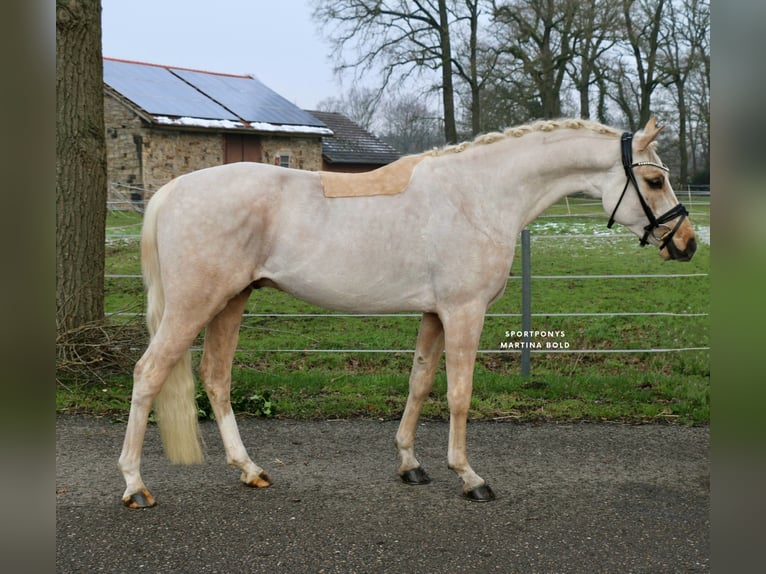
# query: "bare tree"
[[537, 58], [700, 97], [699, 124], [508, 98], [682, 43], [409, 125], [358, 104], [643, 20], [399, 37], [474, 58], [540, 34], [80, 165], [595, 33]]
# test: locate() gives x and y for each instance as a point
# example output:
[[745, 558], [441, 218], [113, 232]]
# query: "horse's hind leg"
[[164, 354], [221, 338], [428, 352]]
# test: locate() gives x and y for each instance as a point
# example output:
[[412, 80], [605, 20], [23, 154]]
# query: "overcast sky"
[[275, 40]]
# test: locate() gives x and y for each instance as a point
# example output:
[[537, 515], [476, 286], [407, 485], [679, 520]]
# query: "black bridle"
[[678, 210]]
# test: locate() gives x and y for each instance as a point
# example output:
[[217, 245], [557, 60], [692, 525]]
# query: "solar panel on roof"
[[250, 99], [159, 92]]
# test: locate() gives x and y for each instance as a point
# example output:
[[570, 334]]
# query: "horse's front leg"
[[428, 352], [462, 333], [221, 338]]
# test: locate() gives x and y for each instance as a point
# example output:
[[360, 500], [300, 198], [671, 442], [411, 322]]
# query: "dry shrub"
[[101, 348]]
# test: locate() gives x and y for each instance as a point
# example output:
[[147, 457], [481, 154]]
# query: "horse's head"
[[647, 205]]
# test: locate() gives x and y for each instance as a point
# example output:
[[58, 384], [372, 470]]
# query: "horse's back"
[[244, 180]]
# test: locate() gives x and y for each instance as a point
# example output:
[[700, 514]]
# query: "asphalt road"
[[576, 498]]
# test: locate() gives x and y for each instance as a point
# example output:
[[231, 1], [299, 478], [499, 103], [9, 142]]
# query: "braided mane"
[[519, 131]]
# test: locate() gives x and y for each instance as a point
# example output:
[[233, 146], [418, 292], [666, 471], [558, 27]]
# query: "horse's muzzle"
[[685, 254]]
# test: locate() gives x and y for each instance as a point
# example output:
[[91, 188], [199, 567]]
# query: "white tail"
[[175, 406]]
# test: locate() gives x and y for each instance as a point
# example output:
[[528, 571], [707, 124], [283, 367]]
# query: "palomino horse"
[[433, 233]]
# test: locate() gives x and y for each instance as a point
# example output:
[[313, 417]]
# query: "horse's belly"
[[346, 292]]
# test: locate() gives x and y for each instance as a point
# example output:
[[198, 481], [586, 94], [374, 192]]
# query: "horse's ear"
[[647, 135]]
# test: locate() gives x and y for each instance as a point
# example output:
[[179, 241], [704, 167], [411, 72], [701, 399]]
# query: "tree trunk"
[[645, 51], [470, 74], [682, 133], [80, 165], [583, 87], [474, 72], [448, 91]]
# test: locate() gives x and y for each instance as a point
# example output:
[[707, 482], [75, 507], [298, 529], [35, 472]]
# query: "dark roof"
[[181, 97], [352, 143]]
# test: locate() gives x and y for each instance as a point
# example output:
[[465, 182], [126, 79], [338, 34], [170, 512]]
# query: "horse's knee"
[[459, 401]]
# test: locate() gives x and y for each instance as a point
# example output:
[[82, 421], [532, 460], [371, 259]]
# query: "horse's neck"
[[546, 167]]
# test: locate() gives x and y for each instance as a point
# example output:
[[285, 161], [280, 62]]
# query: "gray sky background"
[[274, 40]]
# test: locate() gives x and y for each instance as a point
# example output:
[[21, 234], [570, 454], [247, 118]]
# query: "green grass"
[[636, 387]]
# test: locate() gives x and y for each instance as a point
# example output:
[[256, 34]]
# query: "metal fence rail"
[[480, 351], [615, 276]]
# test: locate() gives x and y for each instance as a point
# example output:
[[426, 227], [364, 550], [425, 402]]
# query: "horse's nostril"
[[691, 247]]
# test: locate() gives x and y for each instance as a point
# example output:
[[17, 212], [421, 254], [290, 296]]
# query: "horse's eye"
[[655, 182]]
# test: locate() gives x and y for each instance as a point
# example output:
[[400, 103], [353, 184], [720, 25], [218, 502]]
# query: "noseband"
[[678, 210]]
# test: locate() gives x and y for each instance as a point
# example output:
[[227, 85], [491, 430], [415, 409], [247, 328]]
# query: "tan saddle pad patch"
[[387, 180]]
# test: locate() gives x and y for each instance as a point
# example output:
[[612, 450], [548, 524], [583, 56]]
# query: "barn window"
[[282, 160]]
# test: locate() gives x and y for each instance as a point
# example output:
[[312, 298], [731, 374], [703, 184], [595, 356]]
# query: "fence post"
[[526, 301]]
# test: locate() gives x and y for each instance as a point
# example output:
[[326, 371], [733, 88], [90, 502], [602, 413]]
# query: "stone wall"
[[304, 153], [140, 157], [123, 160], [169, 153]]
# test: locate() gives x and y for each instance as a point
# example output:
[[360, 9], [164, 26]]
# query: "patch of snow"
[[564, 227], [199, 122], [596, 229], [230, 124], [285, 128]]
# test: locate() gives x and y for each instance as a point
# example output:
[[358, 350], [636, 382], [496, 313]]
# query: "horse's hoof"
[[415, 476], [481, 493], [140, 499], [263, 480]]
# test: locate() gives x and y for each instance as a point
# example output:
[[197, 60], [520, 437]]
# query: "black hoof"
[[481, 493], [415, 476], [140, 499]]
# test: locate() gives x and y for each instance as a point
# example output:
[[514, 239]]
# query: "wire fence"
[[697, 197], [498, 351]]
